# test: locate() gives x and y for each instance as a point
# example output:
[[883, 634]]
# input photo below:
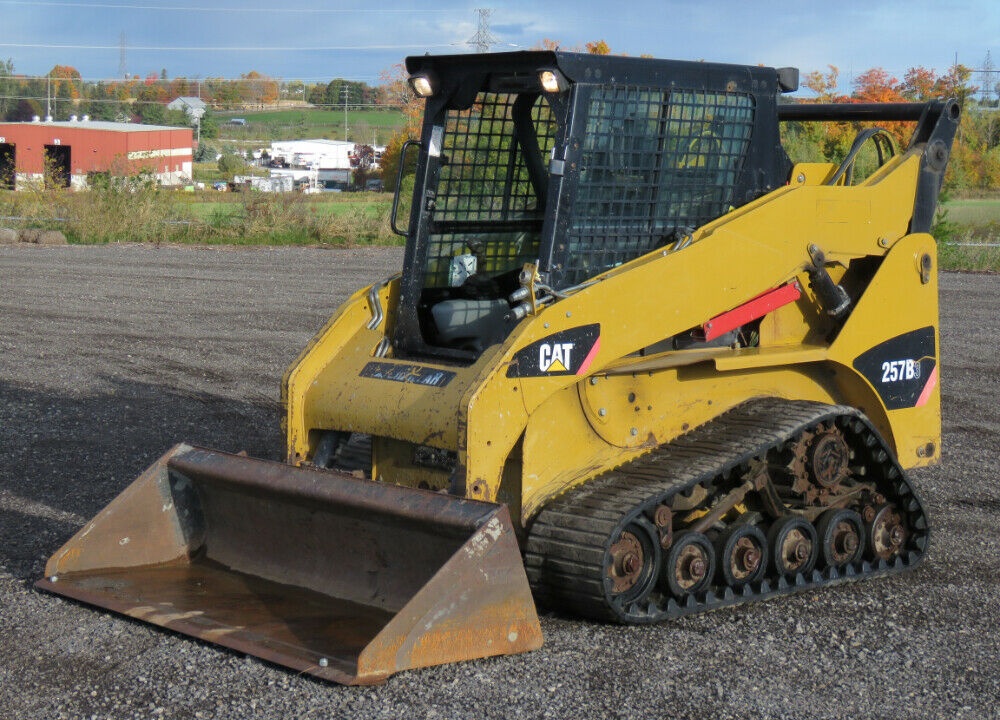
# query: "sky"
[[313, 40]]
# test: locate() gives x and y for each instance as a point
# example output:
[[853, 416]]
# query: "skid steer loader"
[[637, 364]]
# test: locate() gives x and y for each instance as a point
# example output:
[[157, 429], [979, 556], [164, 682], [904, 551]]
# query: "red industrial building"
[[66, 153]]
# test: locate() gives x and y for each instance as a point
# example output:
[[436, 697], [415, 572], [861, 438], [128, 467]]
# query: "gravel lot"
[[109, 355]]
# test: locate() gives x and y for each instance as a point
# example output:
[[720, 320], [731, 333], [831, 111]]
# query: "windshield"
[[490, 196]]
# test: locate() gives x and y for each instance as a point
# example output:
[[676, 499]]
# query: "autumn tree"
[[258, 90], [152, 90], [65, 80], [599, 47], [396, 92], [817, 142], [918, 84], [955, 84], [63, 87], [877, 86], [223, 93], [824, 85], [975, 160]]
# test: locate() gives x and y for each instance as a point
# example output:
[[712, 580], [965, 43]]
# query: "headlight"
[[552, 81], [424, 84]]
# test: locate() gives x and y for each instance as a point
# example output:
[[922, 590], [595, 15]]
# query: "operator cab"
[[573, 165]]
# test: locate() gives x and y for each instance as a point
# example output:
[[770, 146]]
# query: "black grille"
[[485, 196], [654, 165]]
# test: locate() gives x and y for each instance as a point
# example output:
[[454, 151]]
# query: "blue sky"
[[312, 40]]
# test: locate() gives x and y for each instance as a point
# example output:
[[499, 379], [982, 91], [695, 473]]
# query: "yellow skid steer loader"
[[638, 364]]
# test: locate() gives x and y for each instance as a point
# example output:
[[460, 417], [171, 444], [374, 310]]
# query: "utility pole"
[[122, 67], [344, 91], [197, 114]]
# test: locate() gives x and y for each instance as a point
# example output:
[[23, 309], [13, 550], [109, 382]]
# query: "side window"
[[654, 166], [490, 188], [707, 136]]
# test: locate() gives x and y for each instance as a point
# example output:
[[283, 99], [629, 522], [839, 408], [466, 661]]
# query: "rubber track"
[[566, 548]]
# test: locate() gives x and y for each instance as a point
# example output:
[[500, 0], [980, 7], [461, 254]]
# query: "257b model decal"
[[900, 370], [903, 370]]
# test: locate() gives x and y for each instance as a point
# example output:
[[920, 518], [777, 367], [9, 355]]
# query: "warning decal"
[[409, 374]]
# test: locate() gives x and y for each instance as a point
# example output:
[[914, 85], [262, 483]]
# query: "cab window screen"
[[655, 164], [485, 195]]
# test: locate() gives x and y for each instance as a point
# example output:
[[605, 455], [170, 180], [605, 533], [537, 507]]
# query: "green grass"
[[363, 126], [966, 255], [969, 236], [973, 212], [967, 239], [315, 117], [371, 205], [205, 218]]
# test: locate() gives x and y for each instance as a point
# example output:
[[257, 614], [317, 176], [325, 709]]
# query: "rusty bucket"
[[348, 580]]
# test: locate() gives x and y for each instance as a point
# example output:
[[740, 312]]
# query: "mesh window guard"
[[655, 164], [486, 198]]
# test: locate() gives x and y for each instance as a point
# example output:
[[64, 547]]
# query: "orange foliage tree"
[[598, 48], [918, 83], [824, 85], [257, 89], [66, 81], [975, 161], [878, 86]]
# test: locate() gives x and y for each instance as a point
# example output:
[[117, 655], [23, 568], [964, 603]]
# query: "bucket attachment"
[[348, 580]]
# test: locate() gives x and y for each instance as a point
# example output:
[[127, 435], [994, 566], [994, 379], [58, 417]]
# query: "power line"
[[111, 101], [202, 79], [241, 10], [246, 48], [325, 79]]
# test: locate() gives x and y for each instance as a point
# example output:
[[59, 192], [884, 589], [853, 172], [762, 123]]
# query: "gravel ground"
[[109, 355]]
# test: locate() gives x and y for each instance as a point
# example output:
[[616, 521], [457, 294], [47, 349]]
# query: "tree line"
[[975, 162], [63, 92]]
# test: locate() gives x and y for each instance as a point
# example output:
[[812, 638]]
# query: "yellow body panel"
[[525, 440]]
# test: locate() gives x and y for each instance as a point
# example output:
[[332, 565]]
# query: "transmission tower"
[[122, 67], [988, 84], [483, 38]]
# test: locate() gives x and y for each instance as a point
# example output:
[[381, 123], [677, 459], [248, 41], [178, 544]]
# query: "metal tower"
[[483, 38]]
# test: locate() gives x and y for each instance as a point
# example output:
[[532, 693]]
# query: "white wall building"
[[325, 162]]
